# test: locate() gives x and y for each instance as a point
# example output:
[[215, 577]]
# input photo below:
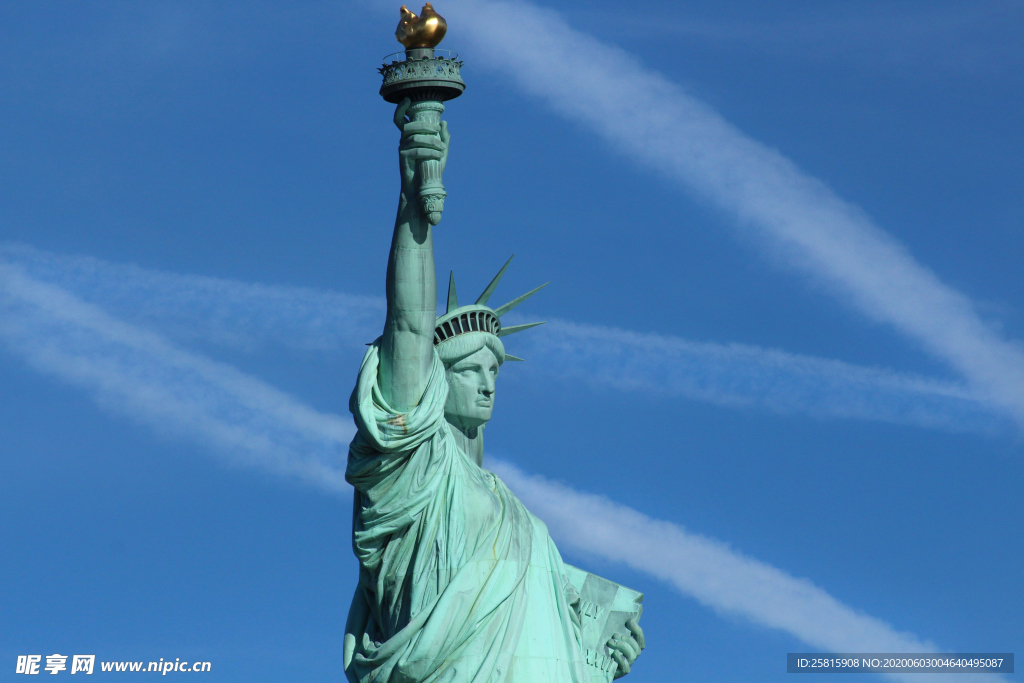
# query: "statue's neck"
[[471, 441]]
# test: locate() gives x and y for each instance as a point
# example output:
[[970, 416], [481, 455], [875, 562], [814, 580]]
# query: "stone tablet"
[[604, 608]]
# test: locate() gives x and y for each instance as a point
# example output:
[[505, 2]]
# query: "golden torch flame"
[[425, 30]]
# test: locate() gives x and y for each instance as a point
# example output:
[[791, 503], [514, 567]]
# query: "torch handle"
[[432, 192]]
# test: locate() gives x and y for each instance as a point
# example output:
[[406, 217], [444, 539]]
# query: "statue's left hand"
[[625, 649]]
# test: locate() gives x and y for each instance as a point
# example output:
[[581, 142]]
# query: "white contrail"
[[645, 116], [739, 375], [142, 375], [709, 571], [199, 308], [250, 316]]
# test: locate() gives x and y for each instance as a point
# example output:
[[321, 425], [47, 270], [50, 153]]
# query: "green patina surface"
[[459, 582]]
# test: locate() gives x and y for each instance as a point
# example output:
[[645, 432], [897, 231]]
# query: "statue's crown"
[[478, 317]]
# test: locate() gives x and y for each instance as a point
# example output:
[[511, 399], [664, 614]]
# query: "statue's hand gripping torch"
[[424, 151], [427, 81]]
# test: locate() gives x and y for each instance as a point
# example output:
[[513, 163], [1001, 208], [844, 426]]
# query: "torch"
[[427, 80]]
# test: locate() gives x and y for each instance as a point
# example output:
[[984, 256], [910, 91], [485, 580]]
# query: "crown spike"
[[509, 356], [512, 329], [518, 300], [453, 299], [482, 300]]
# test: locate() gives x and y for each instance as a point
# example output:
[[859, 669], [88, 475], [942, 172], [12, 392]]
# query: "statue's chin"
[[470, 419]]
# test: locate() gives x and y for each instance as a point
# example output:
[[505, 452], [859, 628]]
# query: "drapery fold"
[[444, 548]]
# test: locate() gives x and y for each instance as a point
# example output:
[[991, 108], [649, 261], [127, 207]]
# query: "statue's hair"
[[455, 349]]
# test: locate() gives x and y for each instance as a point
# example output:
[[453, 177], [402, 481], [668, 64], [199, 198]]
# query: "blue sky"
[[783, 240]]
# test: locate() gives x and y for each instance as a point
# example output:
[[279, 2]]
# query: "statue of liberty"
[[458, 581]]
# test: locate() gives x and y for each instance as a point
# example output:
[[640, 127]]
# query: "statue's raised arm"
[[407, 347]]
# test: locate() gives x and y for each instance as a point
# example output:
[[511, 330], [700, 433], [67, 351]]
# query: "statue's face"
[[471, 389]]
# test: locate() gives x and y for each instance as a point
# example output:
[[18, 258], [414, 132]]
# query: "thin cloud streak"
[[710, 571], [191, 308], [649, 119], [252, 316], [140, 374], [743, 376]]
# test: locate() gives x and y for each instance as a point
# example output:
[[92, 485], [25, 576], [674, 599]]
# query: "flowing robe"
[[458, 582]]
